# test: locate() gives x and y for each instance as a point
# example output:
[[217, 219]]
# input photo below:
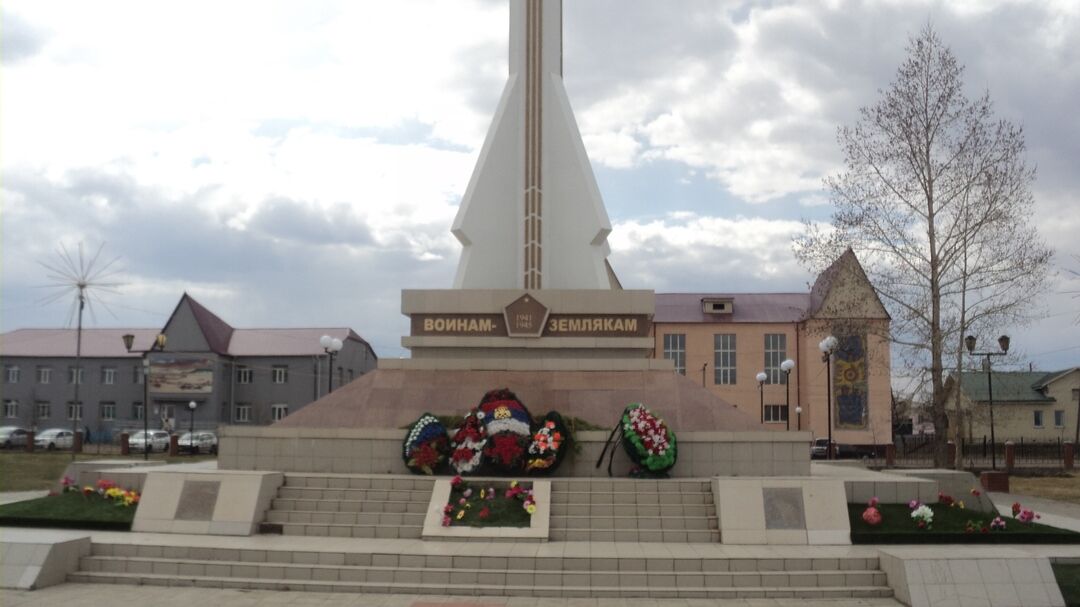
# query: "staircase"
[[633, 510], [498, 570], [361, 506]]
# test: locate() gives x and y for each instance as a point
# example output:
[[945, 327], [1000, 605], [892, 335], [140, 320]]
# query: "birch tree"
[[935, 198]]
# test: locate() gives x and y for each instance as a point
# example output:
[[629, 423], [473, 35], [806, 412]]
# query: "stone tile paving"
[[10, 497], [105, 594]]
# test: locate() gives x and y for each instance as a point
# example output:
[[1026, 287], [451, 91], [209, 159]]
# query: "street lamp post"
[[330, 345], [798, 417], [761, 377], [786, 367], [1003, 343], [827, 347], [191, 429], [158, 345]]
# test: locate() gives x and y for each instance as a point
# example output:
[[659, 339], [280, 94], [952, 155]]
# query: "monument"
[[535, 307]]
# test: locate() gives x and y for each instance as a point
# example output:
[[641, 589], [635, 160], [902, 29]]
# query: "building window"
[[775, 353], [137, 410], [279, 374], [1059, 418], [108, 411], [72, 375], [1038, 419], [724, 359], [108, 375], [278, 412], [74, 410], [12, 374], [675, 349], [775, 414], [44, 410], [350, 374], [1076, 394], [11, 408], [243, 413], [44, 375], [137, 374], [243, 375]]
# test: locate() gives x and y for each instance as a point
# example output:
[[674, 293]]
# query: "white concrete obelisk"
[[532, 216]]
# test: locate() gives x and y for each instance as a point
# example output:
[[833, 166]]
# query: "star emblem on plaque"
[[525, 317]]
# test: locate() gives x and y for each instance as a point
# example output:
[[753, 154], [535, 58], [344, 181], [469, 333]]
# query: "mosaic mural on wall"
[[849, 383]]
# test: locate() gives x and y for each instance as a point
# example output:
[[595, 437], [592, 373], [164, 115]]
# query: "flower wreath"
[[426, 446], [468, 442], [548, 446], [647, 439], [507, 423]]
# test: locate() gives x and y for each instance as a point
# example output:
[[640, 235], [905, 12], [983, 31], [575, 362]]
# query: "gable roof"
[[1053, 376], [217, 332], [60, 343], [832, 275], [1009, 387]]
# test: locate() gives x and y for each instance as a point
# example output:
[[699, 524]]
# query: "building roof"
[[746, 307], [1053, 376], [216, 331], [1009, 386], [285, 342], [96, 343]]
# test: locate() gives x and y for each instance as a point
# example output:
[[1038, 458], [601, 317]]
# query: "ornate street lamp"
[[828, 347], [1003, 343], [761, 377], [191, 429], [158, 345], [786, 367], [330, 345]]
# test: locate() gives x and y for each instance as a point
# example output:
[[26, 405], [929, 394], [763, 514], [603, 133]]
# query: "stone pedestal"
[[995, 480]]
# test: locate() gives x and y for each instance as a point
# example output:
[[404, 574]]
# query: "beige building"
[[726, 339], [1034, 406]]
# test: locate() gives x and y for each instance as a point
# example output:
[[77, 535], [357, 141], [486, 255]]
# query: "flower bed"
[[948, 524], [105, 506], [488, 504]]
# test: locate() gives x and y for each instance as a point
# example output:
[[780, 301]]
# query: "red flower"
[[454, 482], [504, 448], [986, 530], [484, 512], [1016, 508]]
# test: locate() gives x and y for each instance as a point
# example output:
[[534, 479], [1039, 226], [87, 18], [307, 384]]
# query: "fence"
[[918, 450]]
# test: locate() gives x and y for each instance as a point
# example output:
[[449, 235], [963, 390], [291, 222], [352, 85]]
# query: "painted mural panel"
[[181, 374], [849, 383]]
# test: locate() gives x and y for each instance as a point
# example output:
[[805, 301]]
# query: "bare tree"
[[935, 199]]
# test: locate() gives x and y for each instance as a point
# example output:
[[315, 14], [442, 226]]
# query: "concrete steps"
[[482, 575], [633, 510], [361, 506]]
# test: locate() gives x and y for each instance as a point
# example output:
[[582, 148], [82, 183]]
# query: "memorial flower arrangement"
[[648, 440], [547, 447], [490, 505], [872, 515], [923, 516], [1024, 515], [426, 446], [508, 426], [468, 442], [103, 489], [497, 437]]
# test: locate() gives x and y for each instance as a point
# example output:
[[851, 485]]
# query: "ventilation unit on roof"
[[717, 306]]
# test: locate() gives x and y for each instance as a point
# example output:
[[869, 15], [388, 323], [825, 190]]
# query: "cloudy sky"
[[298, 163]]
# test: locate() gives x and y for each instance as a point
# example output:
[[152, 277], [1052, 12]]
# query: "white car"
[[154, 440], [12, 436], [203, 442], [55, 438]]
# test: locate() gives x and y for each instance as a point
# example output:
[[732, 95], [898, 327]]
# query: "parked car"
[[55, 438], [199, 442], [153, 440], [13, 436], [820, 448]]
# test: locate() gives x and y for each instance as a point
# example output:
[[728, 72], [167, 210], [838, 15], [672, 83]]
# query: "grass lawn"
[[1068, 579], [1063, 487], [501, 511], [21, 471], [948, 527], [71, 510]]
